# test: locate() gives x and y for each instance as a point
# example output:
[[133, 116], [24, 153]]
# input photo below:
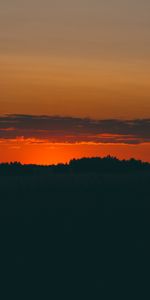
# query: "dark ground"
[[75, 235]]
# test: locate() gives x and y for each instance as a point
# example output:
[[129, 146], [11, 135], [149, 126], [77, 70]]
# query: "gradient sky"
[[83, 58]]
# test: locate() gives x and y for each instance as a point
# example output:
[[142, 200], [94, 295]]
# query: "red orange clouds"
[[53, 139]]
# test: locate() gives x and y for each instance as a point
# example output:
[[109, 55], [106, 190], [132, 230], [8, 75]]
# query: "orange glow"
[[40, 152]]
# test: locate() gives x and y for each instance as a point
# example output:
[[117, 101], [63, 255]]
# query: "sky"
[[83, 60]]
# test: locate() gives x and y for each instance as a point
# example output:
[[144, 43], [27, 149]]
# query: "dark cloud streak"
[[71, 129]]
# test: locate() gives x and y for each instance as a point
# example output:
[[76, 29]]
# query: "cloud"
[[58, 129]]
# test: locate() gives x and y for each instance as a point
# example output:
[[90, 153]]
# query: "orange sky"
[[74, 58], [50, 153], [87, 88]]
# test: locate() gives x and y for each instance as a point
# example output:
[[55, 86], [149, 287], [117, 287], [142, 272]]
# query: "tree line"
[[86, 165]]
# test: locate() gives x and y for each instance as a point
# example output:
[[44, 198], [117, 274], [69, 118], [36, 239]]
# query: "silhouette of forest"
[[84, 226], [83, 165]]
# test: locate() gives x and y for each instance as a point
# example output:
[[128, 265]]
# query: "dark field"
[[76, 235]]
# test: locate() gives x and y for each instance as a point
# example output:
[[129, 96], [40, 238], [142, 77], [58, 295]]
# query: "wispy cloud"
[[58, 129]]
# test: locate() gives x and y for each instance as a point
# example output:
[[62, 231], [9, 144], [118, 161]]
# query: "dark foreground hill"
[[77, 231]]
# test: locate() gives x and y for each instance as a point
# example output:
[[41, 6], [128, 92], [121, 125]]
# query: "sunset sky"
[[74, 79]]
